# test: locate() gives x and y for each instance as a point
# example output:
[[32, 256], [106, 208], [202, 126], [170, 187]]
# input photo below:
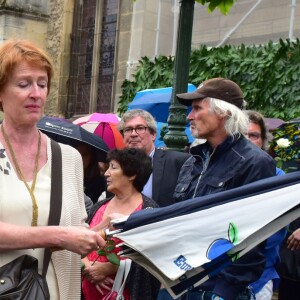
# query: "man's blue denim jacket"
[[233, 163]]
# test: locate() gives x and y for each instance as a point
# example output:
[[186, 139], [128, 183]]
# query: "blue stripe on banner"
[[144, 217]]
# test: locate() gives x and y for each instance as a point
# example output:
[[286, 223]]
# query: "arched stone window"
[[92, 57]]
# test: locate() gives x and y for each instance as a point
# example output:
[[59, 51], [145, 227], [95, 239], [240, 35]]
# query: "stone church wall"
[[48, 24]]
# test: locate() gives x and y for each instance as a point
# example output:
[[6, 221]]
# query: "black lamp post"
[[176, 138]]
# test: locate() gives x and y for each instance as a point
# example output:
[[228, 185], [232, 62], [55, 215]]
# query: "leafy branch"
[[223, 5], [107, 251]]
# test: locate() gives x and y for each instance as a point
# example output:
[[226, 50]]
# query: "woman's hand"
[[80, 240], [106, 284], [96, 272], [106, 222], [293, 242]]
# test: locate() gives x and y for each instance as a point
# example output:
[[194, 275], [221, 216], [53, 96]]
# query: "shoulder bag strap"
[[55, 197], [121, 276], [127, 262]]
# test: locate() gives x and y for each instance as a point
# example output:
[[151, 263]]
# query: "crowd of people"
[[232, 153]]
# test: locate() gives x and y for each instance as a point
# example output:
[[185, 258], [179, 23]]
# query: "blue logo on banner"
[[182, 264]]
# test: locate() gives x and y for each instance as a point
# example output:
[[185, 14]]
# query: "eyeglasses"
[[138, 130], [253, 136]]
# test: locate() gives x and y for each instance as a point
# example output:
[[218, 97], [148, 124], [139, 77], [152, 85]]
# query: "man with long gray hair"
[[225, 161]]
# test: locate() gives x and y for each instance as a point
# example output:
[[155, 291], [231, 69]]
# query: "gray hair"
[[130, 114], [236, 120]]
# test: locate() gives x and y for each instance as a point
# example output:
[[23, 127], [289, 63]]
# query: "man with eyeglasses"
[[139, 129], [226, 160]]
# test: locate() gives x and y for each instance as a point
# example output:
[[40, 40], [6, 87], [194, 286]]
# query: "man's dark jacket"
[[166, 168], [234, 163]]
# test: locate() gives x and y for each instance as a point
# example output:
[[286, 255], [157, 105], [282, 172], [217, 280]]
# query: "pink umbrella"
[[105, 126], [98, 117]]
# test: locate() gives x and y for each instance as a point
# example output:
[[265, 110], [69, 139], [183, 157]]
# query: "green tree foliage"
[[223, 5], [149, 74], [269, 75]]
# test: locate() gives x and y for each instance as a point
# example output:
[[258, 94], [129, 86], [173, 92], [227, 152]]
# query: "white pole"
[[157, 28], [175, 26], [130, 62], [293, 8], [227, 36]]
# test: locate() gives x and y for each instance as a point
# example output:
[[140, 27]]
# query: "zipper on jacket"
[[205, 166]]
